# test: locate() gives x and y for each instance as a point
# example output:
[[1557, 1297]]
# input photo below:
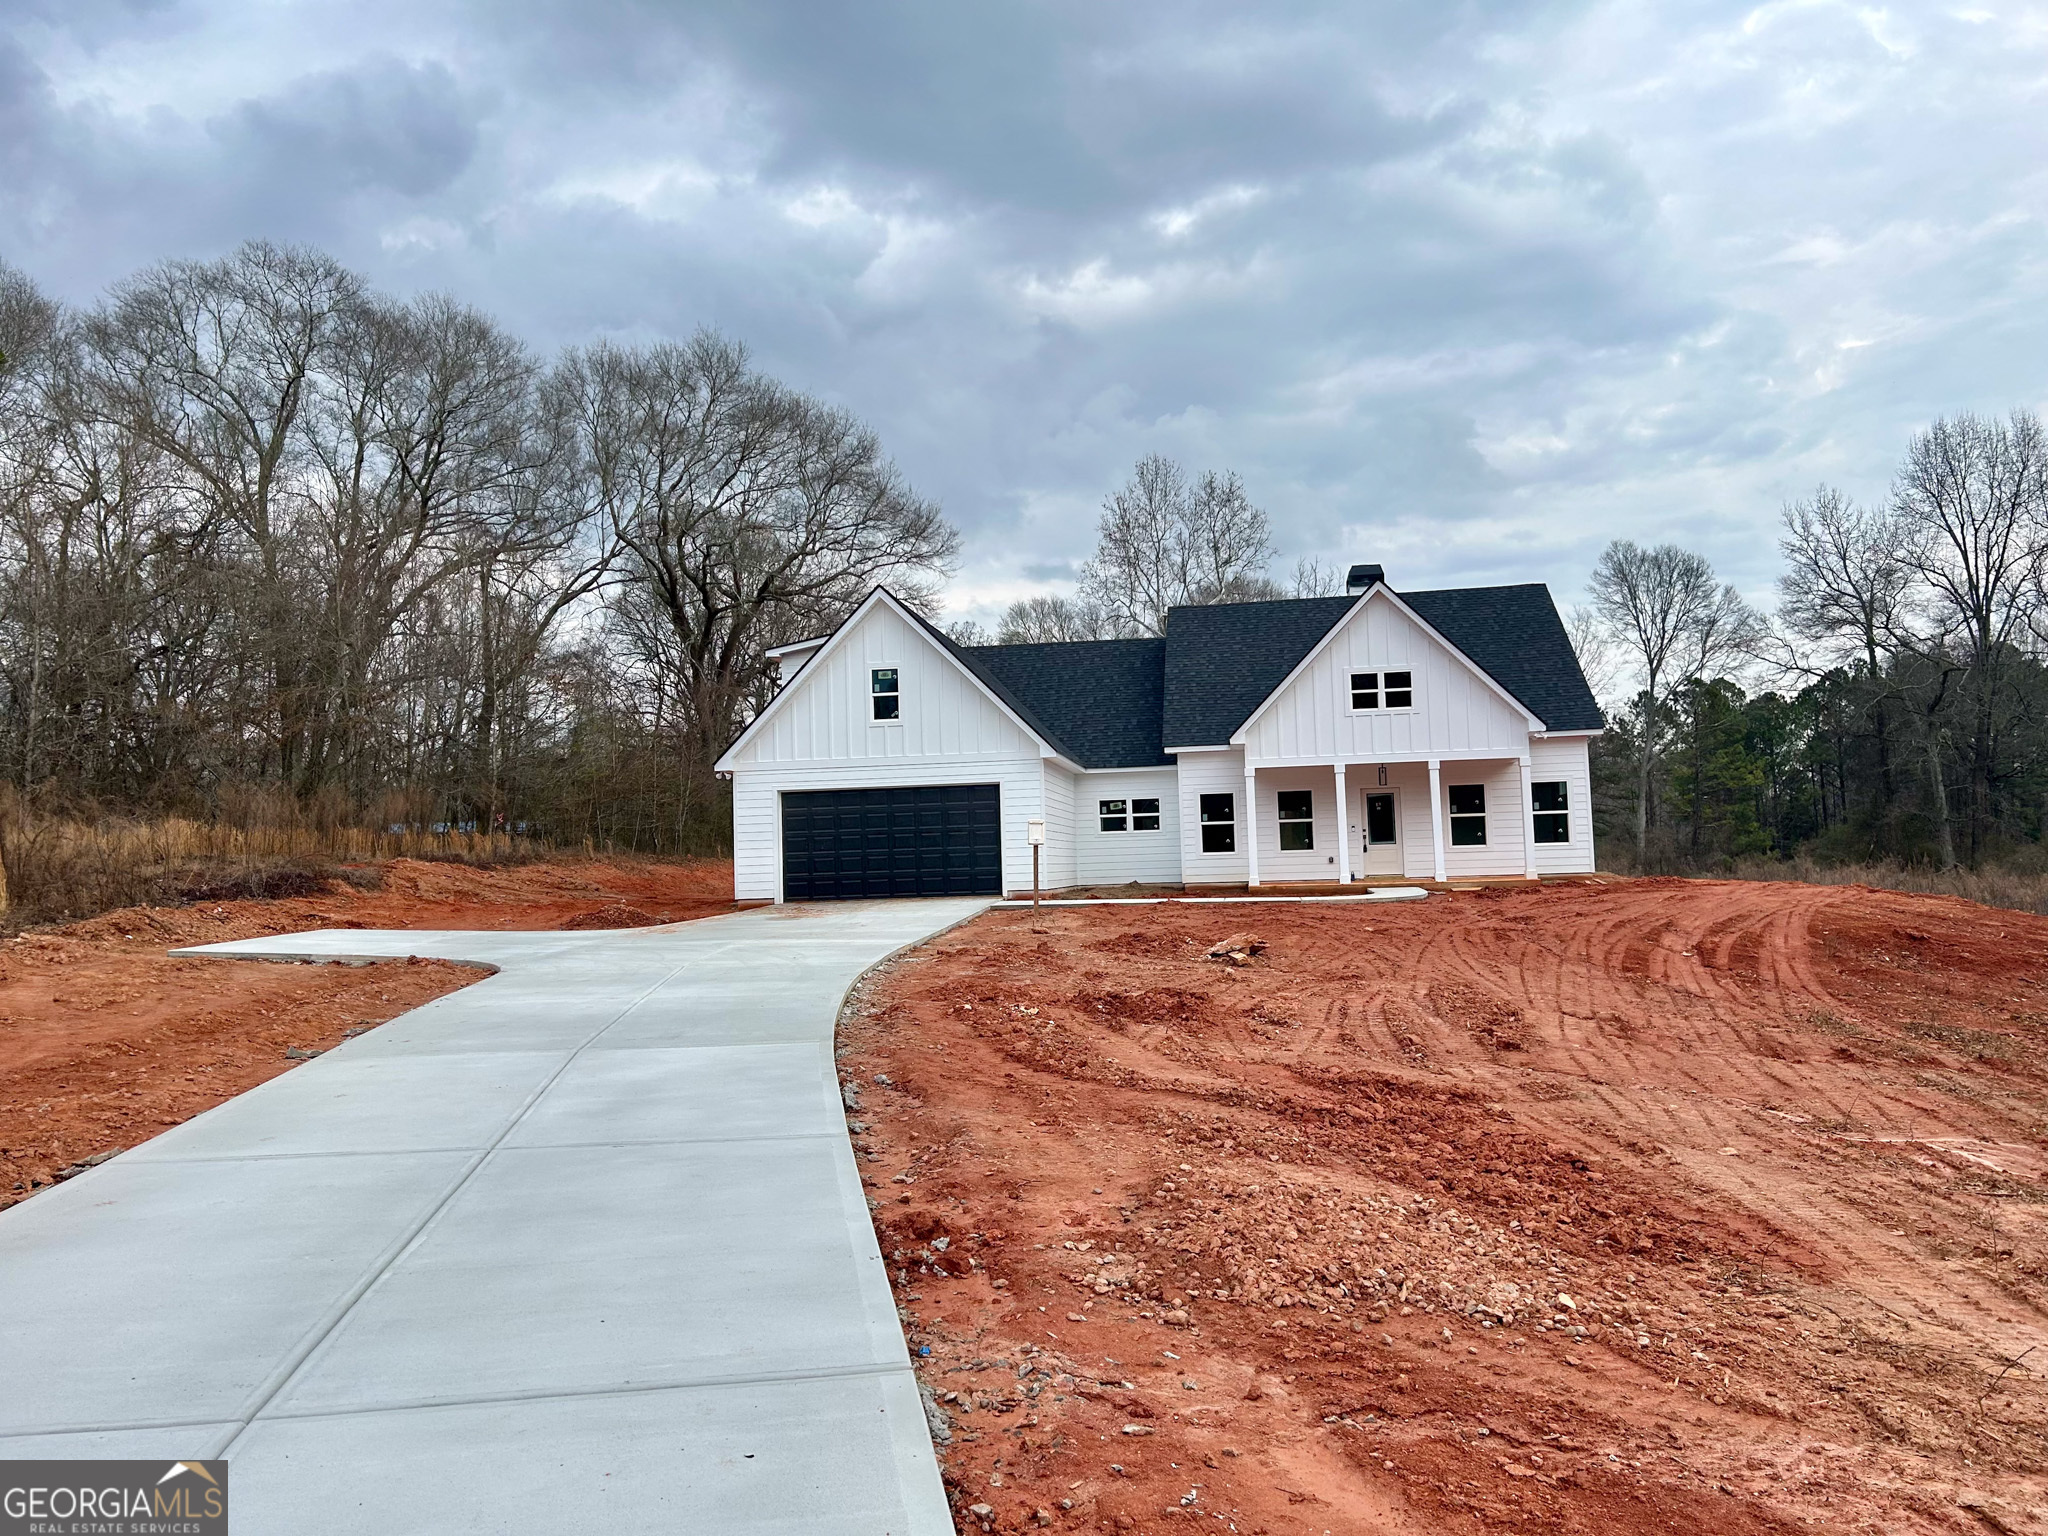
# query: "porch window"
[[1468, 815], [1219, 823], [1382, 690], [1553, 821], [882, 685], [1114, 815], [1144, 815], [1297, 820]]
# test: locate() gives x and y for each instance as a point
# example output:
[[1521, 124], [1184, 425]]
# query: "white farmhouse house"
[[1419, 735]]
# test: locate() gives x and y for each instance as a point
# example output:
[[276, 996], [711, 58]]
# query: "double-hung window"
[[888, 700], [1219, 823], [1382, 690], [1553, 812], [1128, 815], [1297, 808], [1468, 815]]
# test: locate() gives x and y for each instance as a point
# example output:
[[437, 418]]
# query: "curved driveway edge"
[[579, 1247]]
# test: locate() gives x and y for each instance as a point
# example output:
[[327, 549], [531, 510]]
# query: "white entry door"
[[1381, 818]]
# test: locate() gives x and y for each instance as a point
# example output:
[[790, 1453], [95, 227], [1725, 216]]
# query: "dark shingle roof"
[[1122, 703], [1101, 697], [1517, 639], [1222, 661]]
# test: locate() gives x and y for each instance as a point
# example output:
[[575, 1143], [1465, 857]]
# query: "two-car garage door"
[[934, 840]]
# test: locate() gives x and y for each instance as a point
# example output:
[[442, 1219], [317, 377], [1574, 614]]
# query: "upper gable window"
[[888, 700], [1382, 690]]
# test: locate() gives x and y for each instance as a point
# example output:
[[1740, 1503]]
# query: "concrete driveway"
[[580, 1247]]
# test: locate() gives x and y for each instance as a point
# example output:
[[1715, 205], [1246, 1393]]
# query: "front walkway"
[[579, 1247]]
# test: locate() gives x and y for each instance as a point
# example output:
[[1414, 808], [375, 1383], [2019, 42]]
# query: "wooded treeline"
[[1895, 706], [275, 545]]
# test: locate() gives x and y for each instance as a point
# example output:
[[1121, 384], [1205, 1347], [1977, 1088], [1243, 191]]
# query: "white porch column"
[[1250, 822], [1343, 829], [1436, 813], [1528, 823]]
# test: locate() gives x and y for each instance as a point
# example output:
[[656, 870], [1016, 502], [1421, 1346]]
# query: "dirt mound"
[[1659, 1205], [616, 915]]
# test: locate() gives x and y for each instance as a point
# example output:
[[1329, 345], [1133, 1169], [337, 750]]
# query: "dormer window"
[[888, 701], [1382, 690]]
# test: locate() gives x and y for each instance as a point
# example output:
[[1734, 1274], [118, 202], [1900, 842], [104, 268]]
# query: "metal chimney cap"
[[1363, 576]]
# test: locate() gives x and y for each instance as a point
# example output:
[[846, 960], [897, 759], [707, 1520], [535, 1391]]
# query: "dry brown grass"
[[63, 867], [2021, 890]]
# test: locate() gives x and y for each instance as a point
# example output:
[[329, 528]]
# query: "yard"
[[1642, 1206]]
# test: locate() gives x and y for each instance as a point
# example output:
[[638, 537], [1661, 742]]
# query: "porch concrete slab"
[[584, 1242], [697, 1093], [844, 1454]]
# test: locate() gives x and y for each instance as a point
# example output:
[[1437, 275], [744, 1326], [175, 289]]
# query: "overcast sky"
[[1466, 288]]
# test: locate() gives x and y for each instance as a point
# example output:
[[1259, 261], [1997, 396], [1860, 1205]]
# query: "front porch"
[[1432, 821]]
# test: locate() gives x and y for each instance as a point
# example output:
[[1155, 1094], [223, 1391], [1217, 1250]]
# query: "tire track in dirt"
[[1324, 1211]]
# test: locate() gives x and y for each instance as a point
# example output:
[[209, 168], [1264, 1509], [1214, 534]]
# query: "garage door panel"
[[931, 840]]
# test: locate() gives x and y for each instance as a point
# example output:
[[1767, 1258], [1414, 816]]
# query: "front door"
[[1382, 833]]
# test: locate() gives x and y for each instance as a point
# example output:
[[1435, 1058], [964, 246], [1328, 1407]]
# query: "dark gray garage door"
[[939, 840]]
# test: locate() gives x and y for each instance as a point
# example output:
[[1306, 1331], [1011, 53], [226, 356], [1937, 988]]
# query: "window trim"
[[1121, 816], [1379, 691], [1456, 819], [1282, 822], [876, 695], [1139, 814], [1205, 822], [1558, 815]]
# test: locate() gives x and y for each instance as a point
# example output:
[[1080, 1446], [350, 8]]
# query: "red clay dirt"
[[105, 1040], [1648, 1206]]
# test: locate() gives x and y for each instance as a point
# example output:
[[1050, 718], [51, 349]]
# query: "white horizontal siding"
[[1317, 863], [1210, 773], [1569, 760], [1456, 710], [1116, 858], [1502, 853], [1060, 829]]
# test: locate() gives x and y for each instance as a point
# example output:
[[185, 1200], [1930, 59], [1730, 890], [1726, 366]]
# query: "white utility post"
[[1034, 833], [1251, 824], [1343, 830], [1528, 823], [1436, 813]]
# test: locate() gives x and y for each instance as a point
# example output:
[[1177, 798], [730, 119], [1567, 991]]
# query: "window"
[[888, 701], [1219, 823], [1297, 820], [1389, 690], [1553, 824], [1468, 815], [1128, 815]]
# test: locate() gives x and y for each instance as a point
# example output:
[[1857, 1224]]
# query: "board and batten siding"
[[1568, 759], [1117, 858], [823, 736], [1455, 711], [829, 719]]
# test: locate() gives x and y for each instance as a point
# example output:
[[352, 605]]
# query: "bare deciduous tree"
[[1664, 608], [1035, 620], [1163, 542]]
